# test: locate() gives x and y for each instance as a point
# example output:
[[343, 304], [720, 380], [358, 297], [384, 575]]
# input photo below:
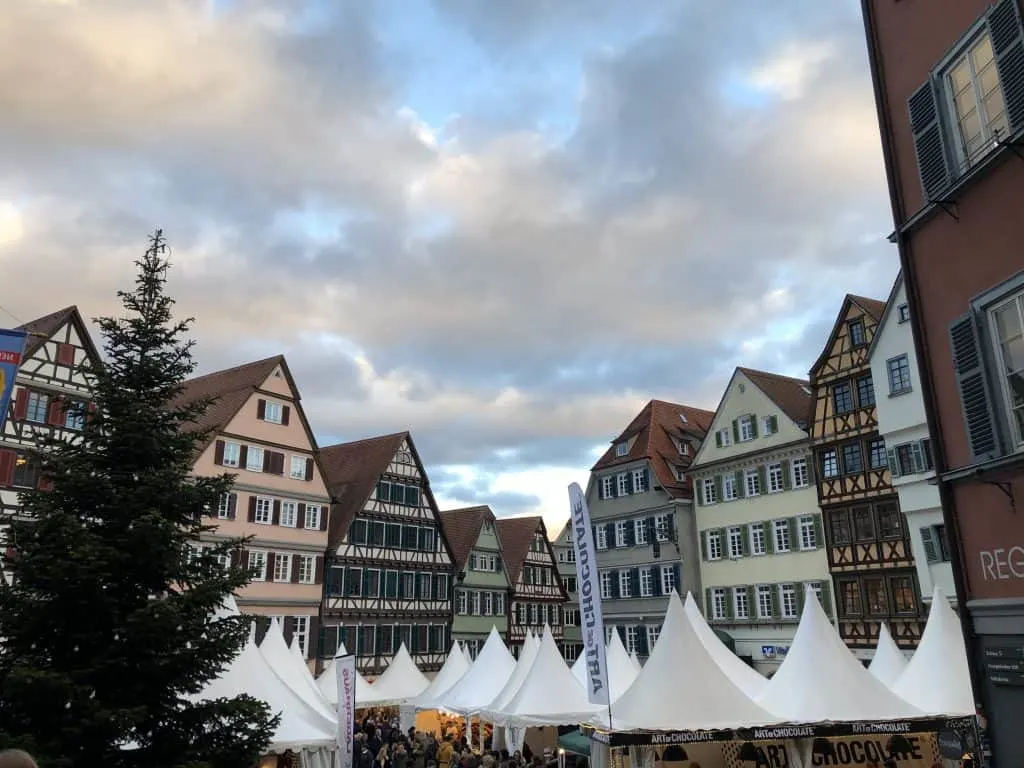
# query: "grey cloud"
[[502, 502]]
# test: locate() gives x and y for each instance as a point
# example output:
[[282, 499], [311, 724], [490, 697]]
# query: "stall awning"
[[575, 742]]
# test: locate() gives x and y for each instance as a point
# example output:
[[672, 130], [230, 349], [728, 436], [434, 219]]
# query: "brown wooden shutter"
[[309, 469], [276, 520], [7, 459], [252, 509], [288, 629], [266, 460], [65, 354], [318, 573], [261, 409], [313, 649], [55, 413], [324, 510], [285, 414], [232, 504], [277, 463], [236, 558], [243, 456], [218, 452], [21, 403], [269, 574], [300, 518], [295, 568]]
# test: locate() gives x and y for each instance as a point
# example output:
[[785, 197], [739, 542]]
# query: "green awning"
[[575, 742]]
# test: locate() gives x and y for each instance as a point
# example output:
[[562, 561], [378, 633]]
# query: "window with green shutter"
[[753, 424], [819, 532], [787, 474]]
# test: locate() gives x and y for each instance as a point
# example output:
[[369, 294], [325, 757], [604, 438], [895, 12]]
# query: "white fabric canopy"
[[399, 683], [484, 680], [621, 672], [888, 662], [820, 680], [937, 679], [635, 660], [293, 671], [455, 666], [327, 683], [681, 687], [746, 678], [515, 680]]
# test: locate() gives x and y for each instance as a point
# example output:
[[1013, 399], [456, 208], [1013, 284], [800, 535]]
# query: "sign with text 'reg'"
[[345, 667], [591, 617], [12, 347]]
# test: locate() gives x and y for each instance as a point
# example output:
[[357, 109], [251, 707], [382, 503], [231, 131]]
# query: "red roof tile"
[[462, 529], [793, 396], [515, 535]]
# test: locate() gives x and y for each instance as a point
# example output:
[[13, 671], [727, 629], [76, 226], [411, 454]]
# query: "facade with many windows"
[[565, 554], [390, 569], [903, 424], [949, 86], [482, 590], [259, 433], [640, 496], [757, 516]]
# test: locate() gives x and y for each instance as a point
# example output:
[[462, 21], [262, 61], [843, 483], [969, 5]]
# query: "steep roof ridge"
[[462, 528], [515, 535], [230, 384], [874, 307]]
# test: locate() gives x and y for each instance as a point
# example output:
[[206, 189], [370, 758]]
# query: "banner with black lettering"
[[591, 616], [346, 670]]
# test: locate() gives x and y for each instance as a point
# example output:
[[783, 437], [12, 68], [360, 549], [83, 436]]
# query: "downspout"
[[946, 497]]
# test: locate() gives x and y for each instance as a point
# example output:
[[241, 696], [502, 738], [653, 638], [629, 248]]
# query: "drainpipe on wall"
[[946, 496]]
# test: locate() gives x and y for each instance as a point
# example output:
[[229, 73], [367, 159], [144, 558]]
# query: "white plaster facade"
[[902, 422]]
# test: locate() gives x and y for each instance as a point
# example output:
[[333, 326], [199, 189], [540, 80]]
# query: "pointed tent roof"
[[680, 662], [621, 669], [454, 667], [820, 680], [746, 678], [42, 329], [872, 307], [635, 661], [937, 679], [792, 396], [462, 529], [654, 427], [293, 672], [399, 683], [888, 662], [484, 680], [327, 682], [515, 680]]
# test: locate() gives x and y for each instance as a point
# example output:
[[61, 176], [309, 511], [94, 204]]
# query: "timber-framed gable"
[[868, 544], [537, 592]]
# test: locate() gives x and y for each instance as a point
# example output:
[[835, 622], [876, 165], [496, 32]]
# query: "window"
[[911, 458], [746, 428], [313, 513], [975, 100], [306, 564], [282, 567], [787, 594], [632, 633], [724, 437], [849, 598], [752, 482], [857, 337], [899, 375], [853, 459], [606, 585], [668, 579], [808, 532], [289, 513], [462, 602], [272, 412], [499, 603], [740, 603], [1008, 335], [775, 483], [621, 528], [624, 584], [653, 633], [863, 523], [710, 491], [770, 425], [842, 397], [572, 619], [258, 564], [622, 482], [224, 506], [719, 606], [875, 597], [254, 459], [865, 391], [735, 542], [474, 603], [646, 582], [232, 453], [661, 527], [757, 540], [714, 545], [876, 453], [640, 531], [300, 631], [601, 537], [830, 463], [889, 520], [38, 407], [264, 510], [780, 530], [799, 470], [74, 416], [902, 313], [903, 599], [729, 487], [488, 603], [640, 481], [297, 470], [408, 586], [936, 547], [621, 449], [764, 601]]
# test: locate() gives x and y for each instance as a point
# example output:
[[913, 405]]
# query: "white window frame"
[[653, 633], [622, 484], [307, 568], [606, 585], [710, 490], [282, 574], [625, 584], [729, 487], [800, 476], [788, 601], [474, 603], [488, 605], [764, 601], [661, 527], [601, 538], [640, 530], [776, 480], [499, 604], [607, 487], [806, 531], [232, 453], [668, 579], [740, 603], [745, 426], [752, 482], [777, 527], [300, 631], [734, 538], [766, 426], [462, 603], [273, 412], [725, 436], [622, 449], [224, 507], [632, 636], [252, 464], [988, 137], [312, 521], [646, 582], [758, 539], [1016, 300], [264, 513], [714, 544], [297, 469], [639, 481], [719, 596], [258, 564], [621, 527], [289, 514]]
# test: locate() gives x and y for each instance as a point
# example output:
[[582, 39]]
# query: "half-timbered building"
[[258, 431], [51, 398], [868, 546], [537, 592], [389, 578]]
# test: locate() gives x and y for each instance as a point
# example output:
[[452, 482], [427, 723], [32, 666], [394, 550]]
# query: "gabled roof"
[[42, 328], [653, 430], [462, 529], [872, 307], [792, 396], [515, 535], [889, 304], [231, 388]]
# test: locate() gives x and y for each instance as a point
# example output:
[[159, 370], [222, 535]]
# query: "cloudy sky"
[[502, 225]]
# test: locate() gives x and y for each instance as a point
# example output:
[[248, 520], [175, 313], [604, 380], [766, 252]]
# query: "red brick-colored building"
[[949, 85]]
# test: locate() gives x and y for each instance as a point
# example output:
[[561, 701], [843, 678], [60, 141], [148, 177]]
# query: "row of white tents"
[[691, 682]]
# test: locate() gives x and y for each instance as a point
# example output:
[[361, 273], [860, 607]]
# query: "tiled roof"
[[462, 529], [793, 396], [654, 427], [515, 535], [873, 307], [351, 471], [42, 328]]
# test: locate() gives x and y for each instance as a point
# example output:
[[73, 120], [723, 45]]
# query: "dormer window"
[[621, 449], [684, 448], [683, 417]]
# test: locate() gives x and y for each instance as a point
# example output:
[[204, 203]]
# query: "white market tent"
[[454, 667], [621, 672], [635, 660], [399, 683], [292, 671], [515, 680], [745, 677], [937, 679], [820, 680], [888, 662], [468, 655], [484, 680], [681, 687], [327, 683]]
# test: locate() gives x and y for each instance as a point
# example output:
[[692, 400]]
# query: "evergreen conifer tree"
[[108, 628]]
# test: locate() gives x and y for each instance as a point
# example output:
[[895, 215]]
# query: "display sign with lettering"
[[1004, 665]]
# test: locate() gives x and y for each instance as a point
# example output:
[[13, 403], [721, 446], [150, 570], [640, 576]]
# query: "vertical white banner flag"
[[346, 670], [591, 617]]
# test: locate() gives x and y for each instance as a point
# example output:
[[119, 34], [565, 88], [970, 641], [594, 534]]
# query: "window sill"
[[906, 391]]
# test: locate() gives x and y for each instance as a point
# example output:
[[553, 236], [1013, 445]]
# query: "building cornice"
[[794, 449]]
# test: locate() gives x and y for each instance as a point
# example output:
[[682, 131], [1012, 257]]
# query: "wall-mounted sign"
[[774, 651], [1004, 664]]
